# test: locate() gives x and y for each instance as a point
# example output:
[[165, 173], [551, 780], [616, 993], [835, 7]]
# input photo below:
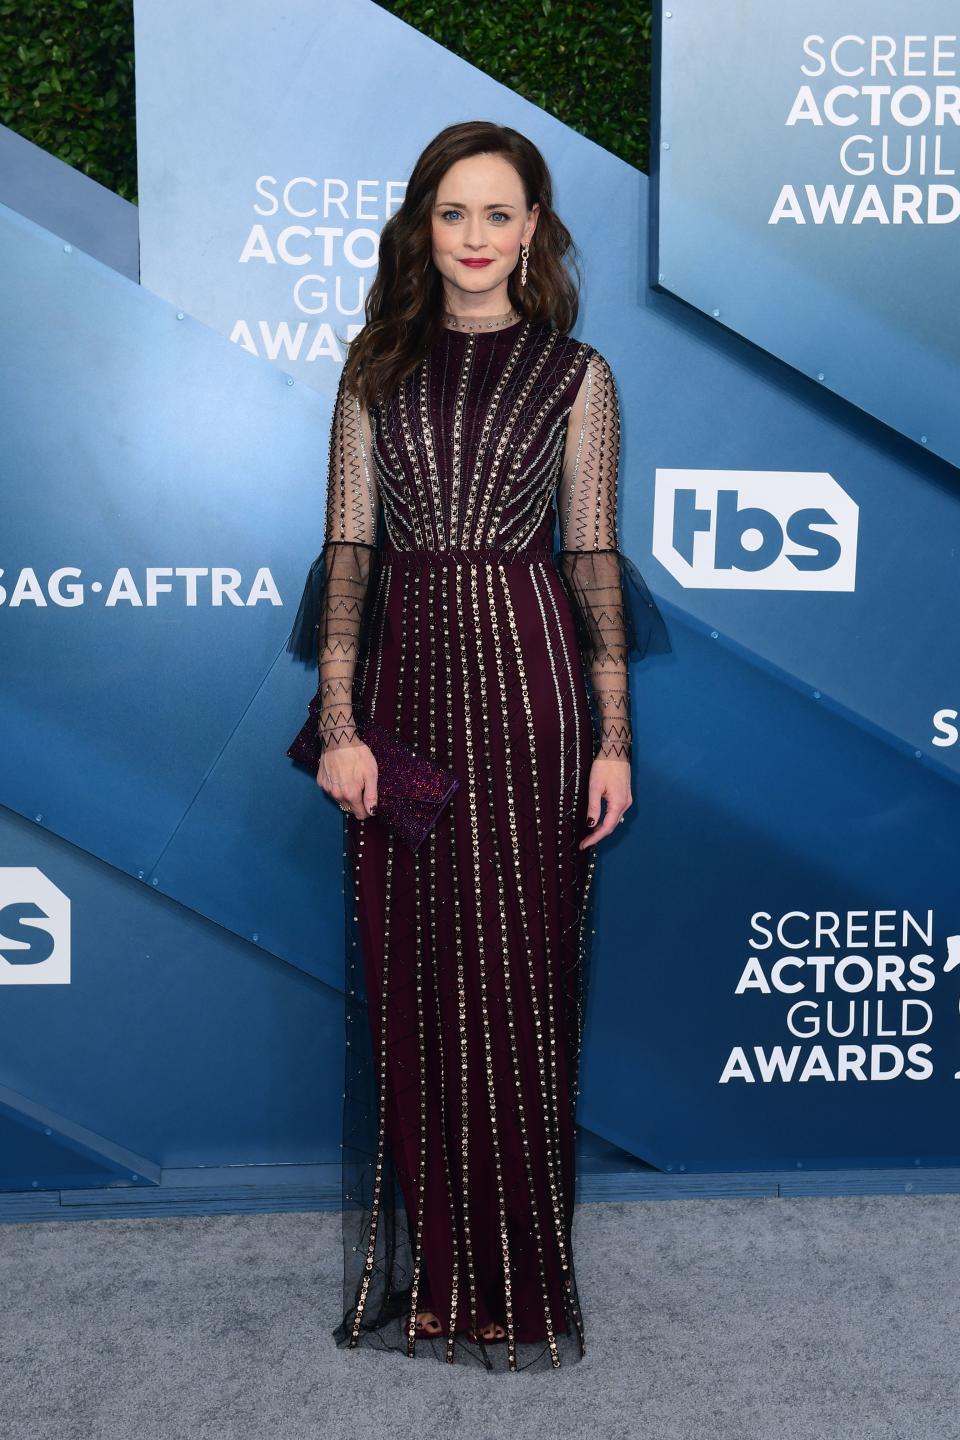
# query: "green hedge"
[[67, 70], [585, 61], [66, 83]]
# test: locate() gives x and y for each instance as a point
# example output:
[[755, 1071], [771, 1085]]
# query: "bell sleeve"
[[332, 622], [615, 614]]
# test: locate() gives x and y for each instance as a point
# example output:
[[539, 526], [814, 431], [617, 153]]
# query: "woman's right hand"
[[348, 774]]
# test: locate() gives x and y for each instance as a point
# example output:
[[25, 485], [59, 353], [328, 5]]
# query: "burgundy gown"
[[440, 608]]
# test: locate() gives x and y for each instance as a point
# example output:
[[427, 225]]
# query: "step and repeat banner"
[[805, 172], [776, 970]]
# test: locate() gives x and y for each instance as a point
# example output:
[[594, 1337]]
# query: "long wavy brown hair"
[[404, 305]]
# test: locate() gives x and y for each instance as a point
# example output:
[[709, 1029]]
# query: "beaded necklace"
[[463, 322]]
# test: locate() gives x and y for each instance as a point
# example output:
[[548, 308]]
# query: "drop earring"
[[524, 252]]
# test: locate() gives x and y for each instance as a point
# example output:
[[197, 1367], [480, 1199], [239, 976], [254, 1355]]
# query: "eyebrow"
[[491, 205]]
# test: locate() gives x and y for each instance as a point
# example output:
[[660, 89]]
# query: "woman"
[[467, 422]]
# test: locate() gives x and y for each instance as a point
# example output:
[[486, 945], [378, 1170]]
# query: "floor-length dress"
[[440, 607]]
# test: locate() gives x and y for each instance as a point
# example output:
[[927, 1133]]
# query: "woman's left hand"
[[609, 781]]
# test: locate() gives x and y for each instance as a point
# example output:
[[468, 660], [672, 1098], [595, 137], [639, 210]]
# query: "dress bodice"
[[468, 451], [494, 441]]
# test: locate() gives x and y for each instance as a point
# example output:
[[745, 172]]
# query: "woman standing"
[[467, 423]]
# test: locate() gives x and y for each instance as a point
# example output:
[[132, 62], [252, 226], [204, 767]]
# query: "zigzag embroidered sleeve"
[[589, 555], [351, 527], [328, 630], [614, 609]]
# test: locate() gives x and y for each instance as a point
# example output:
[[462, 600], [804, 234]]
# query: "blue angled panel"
[[44, 1150], [69, 204], [137, 440], [803, 212]]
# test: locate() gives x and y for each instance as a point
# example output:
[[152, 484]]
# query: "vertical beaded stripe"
[[421, 1046], [434, 948], [553, 1155], [518, 882], [481, 957]]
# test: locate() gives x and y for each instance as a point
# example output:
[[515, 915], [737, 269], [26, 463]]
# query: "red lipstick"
[[477, 263]]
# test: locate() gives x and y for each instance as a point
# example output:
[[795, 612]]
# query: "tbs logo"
[[755, 529], [34, 928]]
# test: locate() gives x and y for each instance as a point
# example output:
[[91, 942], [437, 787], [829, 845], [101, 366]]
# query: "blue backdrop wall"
[[777, 962]]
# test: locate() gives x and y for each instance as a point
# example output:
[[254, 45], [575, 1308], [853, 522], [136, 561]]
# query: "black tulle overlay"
[[302, 640], [352, 565], [616, 617], [441, 608], [638, 615], [331, 632]]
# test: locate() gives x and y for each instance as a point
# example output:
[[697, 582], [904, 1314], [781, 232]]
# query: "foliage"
[[585, 61], [67, 84], [67, 70]]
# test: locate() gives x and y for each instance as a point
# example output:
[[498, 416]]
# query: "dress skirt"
[[466, 969]]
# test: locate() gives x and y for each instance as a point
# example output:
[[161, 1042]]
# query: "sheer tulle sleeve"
[[615, 612], [330, 629]]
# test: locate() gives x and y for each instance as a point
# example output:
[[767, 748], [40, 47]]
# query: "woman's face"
[[480, 214]]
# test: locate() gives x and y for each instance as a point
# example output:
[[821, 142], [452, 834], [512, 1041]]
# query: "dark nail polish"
[[591, 822]]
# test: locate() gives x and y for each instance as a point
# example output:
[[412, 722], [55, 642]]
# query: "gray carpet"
[[733, 1319]]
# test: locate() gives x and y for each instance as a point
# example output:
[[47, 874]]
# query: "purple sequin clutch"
[[412, 789]]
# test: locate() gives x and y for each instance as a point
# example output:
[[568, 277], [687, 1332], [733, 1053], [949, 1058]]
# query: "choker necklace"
[[462, 322]]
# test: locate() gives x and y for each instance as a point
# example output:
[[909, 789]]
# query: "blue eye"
[[445, 213]]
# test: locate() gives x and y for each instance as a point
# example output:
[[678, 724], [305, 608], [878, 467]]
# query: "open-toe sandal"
[[425, 1328], [488, 1339]]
